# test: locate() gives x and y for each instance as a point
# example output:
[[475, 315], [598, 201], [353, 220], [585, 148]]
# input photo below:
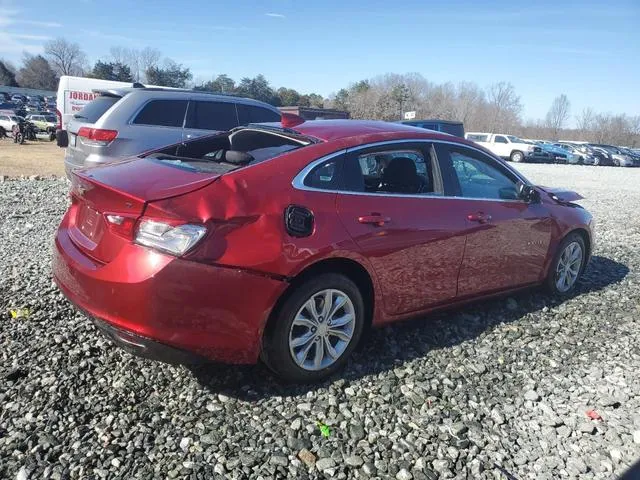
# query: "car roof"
[[173, 92], [329, 130]]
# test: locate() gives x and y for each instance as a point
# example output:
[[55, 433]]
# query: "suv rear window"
[[165, 113], [212, 116], [252, 114], [93, 110]]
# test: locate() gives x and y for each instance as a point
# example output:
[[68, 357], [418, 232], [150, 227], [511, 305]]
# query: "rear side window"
[[165, 113], [400, 172], [212, 116], [325, 176], [93, 110], [252, 114]]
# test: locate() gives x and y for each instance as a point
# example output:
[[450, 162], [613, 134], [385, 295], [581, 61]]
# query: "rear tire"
[[517, 156], [303, 345], [567, 266], [596, 162]]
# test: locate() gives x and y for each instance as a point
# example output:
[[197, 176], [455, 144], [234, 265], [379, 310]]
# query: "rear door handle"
[[374, 219], [479, 217]]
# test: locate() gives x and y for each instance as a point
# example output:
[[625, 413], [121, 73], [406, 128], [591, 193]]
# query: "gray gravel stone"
[[325, 464], [354, 461], [443, 397], [531, 395]]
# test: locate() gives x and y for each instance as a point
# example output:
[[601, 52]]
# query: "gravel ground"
[[495, 389]]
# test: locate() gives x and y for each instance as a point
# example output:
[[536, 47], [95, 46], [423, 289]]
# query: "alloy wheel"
[[322, 329], [568, 267]]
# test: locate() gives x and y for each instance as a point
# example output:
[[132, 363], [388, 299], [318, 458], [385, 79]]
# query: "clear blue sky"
[[587, 49]]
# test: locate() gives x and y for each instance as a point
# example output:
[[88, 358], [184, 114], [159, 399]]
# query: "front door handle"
[[374, 219], [479, 217]]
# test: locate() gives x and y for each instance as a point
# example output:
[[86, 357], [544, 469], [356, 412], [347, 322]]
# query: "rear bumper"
[[150, 298], [145, 347]]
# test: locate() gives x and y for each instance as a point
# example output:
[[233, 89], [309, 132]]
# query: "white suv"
[[7, 121]]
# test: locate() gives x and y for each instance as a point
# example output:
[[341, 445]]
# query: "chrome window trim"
[[298, 180]]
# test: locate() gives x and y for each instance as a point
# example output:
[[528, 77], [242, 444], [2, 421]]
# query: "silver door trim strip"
[[298, 180]]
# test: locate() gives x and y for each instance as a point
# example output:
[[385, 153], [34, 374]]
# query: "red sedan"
[[284, 242]]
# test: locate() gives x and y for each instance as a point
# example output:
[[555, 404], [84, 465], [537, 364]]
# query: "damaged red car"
[[284, 242]]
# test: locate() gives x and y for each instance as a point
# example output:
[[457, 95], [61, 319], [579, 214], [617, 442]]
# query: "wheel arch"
[[348, 267]]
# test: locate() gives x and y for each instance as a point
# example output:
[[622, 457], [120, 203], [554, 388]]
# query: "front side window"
[[477, 177], [165, 113], [400, 172], [500, 139]]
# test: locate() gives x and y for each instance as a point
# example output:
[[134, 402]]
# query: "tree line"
[[496, 108]]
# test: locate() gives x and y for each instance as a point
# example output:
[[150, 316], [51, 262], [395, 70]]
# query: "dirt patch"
[[42, 158]]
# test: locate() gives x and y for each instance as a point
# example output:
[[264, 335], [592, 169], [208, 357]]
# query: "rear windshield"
[[93, 110]]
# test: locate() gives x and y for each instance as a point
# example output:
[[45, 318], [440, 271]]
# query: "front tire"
[[315, 330], [567, 265], [517, 156]]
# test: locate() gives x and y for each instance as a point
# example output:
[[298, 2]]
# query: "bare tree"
[[65, 57], [504, 107], [558, 114], [148, 57], [585, 121]]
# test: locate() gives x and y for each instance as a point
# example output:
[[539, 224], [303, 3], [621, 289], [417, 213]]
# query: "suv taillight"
[[96, 136], [59, 116]]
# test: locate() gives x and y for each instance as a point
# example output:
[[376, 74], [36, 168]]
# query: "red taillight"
[[97, 136], [59, 115], [121, 224]]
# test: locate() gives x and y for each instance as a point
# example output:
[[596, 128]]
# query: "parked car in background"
[[128, 121], [587, 156], [619, 158], [4, 97], [44, 123], [560, 154], [8, 119], [34, 106], [444, 126], [631, 153], [506, 146], [161, 251], [19, 99]]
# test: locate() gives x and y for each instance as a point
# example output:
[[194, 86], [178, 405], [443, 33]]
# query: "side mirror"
[[528, 193]]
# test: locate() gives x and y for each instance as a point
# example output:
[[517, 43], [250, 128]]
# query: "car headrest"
[[236, 157], [401, 171]]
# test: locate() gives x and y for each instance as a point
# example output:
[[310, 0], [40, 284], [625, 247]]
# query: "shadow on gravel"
[[390, 347]]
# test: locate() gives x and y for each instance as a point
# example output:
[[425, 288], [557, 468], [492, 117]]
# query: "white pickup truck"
[[506, 146]]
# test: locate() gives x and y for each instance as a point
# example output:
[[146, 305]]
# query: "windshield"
[[514, 139], [50, 119]]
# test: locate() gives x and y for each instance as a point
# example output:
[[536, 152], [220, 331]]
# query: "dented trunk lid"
[[108, 201]]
